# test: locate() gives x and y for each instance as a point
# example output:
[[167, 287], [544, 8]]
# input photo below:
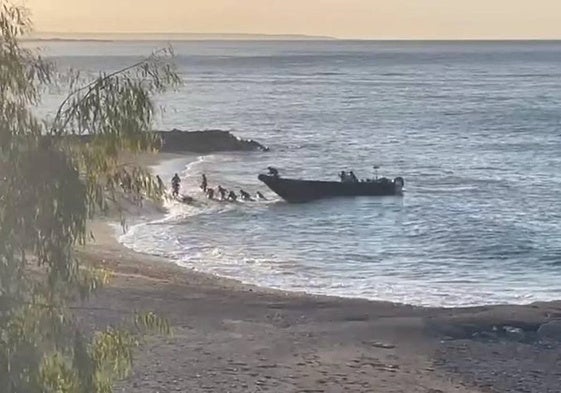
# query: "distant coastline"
[[178, 37], [109, 37]]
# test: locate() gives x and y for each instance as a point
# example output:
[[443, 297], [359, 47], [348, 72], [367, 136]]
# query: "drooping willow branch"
[[66, 115]]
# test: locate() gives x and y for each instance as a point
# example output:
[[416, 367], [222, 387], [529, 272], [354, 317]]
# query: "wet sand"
[[230, 337]]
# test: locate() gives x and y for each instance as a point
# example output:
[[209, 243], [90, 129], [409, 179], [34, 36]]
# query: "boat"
[[298, 191]]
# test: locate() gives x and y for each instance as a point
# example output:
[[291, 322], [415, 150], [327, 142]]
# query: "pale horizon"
[[342, 19]]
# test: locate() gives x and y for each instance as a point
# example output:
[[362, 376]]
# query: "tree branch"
[[91, 87]]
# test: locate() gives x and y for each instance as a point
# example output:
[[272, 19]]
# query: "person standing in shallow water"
[[175, 183], [222, 191], [245, 196], [204, 183], [232, 196], [160, 183]]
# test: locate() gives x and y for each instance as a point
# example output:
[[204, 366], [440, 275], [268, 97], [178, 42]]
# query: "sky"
[[366, 19]]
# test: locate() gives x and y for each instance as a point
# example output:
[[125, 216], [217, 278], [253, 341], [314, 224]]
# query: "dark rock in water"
[[550, 331], [177, 141], [210, 141]]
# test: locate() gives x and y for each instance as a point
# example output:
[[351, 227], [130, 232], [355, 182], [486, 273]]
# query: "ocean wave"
[[478, 224]]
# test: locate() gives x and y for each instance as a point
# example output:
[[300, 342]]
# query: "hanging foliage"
[[54, 176]]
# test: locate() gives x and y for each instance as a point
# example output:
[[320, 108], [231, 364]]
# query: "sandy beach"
[[230, 337], [448, 113]]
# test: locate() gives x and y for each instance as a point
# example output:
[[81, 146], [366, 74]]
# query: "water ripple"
[[473, 128]]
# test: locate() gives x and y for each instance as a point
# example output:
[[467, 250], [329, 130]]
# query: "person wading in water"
[[160, 183], [204, 183], [175, 184], [245, 196], [222, 191], [232, 196]]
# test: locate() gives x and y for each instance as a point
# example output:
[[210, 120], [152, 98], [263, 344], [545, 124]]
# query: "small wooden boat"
[[297, 191]]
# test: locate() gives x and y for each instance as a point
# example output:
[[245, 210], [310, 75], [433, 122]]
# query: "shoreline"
[[162, 159], [238, 282], [237, 337], [106, 239], [231, 336]]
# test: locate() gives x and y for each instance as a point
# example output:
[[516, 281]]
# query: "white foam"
[[309, 248]]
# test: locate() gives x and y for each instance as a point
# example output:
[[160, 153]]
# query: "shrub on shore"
[[49, 188]]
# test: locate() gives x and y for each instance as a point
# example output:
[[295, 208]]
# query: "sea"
[[474, 128]]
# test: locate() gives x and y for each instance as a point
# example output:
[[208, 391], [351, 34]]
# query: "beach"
[[360, 294], [477, 145], [231, 337]]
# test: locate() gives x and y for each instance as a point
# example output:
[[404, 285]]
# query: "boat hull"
[[298, 191]]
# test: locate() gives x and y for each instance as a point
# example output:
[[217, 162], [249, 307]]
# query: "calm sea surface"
[[474, 128]]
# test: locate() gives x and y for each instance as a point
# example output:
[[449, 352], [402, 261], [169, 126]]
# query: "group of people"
[[220, 193], [223, 194], [348, 177], [130, 181]]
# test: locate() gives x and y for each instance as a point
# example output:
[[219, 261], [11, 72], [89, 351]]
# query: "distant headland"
[[55, 36]]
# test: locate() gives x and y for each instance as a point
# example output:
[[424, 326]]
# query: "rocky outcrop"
[[209, 141], [550, 331]]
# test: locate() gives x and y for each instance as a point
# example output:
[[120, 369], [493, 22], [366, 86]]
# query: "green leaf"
[[55, 175]]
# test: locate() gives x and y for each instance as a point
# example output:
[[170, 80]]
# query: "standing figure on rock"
[[210, 193]]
